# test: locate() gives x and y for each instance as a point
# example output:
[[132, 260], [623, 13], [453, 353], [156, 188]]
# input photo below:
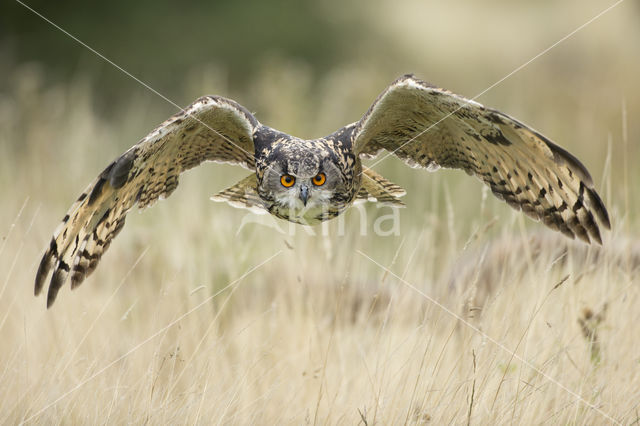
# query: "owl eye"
[[319, 179], [287, 181]]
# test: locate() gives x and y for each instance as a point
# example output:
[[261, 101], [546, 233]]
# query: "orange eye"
[[287, 181], [319, 179]]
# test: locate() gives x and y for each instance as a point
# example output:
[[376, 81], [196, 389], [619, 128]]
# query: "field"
[[453, 310]]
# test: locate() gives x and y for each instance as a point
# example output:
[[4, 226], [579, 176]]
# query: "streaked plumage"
[[425, 126]]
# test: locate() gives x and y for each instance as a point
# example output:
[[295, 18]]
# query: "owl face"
[[301, 180]]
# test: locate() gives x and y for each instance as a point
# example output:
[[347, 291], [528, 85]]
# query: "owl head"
[[303, 181]]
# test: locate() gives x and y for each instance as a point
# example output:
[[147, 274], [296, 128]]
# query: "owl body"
[[306, 181], [309, 181]]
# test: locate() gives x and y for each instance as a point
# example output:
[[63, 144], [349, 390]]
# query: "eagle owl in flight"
[[309, 181]]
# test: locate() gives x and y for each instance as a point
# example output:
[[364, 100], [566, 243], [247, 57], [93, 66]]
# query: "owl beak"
[[304, 194]]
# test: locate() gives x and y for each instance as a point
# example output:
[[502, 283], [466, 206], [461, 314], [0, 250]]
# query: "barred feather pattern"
[[243, 195], [376, 188], [429, 127], [211, 129]]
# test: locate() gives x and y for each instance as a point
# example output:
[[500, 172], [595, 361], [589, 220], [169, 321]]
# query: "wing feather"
[[430, 127], [210, 129]]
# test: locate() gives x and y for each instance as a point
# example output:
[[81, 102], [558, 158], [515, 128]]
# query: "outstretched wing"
[[210, 129], [431, 128]]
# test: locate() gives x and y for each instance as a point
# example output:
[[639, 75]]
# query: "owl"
[[310, 181]]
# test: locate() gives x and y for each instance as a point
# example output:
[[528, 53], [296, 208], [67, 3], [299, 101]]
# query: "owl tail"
[[243, 194], [378, 189]]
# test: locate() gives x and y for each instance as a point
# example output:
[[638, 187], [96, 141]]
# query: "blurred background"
[[309, 67]]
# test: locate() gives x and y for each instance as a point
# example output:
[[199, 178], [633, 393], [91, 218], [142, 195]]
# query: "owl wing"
[[431, 128], [210, 129]]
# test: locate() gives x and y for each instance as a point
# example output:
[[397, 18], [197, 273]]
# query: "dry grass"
[[482, 316], [319, 334]]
